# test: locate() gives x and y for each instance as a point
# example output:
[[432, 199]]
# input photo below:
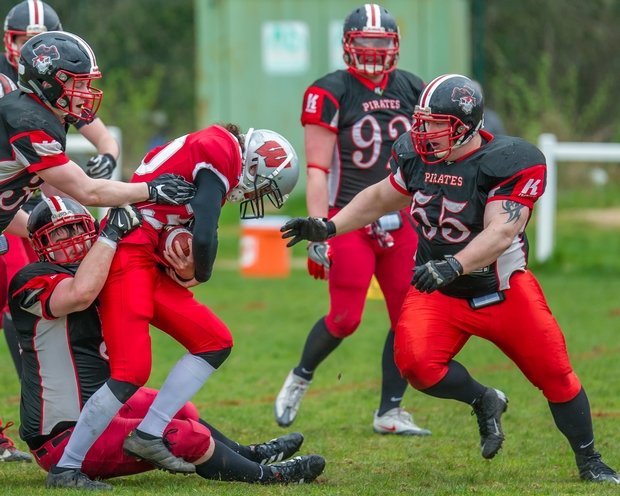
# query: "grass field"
[[270, 319]]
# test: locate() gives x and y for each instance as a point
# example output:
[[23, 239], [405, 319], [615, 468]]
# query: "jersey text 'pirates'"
[[367, 119], [213, 148], [31, 139], [449, 200], [64, 355]]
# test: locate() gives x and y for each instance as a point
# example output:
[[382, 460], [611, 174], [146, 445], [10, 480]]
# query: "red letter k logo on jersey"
[[273, 153]]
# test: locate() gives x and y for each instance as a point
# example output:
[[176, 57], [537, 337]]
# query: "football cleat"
[[156, 453], [289, 399], [277, 449], [489, 408], [73, 478], [592, 469], [397, 421], [8, 451], [297, 470]]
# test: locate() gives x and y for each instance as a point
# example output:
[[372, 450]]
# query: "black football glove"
[[310, 228], [171, 189], [436, 274], [121, 221], [101, 166]]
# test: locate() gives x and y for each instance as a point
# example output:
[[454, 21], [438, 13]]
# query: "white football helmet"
[[270, 168]]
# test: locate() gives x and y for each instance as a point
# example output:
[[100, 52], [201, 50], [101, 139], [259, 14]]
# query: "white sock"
[[183, 382], [95, 417]]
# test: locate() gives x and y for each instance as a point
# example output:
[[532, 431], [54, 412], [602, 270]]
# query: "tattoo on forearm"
[[513, 209]]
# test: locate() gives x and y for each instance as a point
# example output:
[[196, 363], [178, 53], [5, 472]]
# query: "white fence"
[[546, 207], [79, 149]]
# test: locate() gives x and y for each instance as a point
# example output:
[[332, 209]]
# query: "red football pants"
[[138, 293], [187, 439], [434, 327], [355, 258]]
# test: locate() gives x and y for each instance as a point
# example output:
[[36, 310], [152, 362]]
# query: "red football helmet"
[[370, 40], [453, 103], [27, 18], [61, 230]]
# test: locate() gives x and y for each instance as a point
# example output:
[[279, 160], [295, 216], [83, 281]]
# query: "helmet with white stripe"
[[27, 18], [451, 106], [61, 230], [370, 40], [59, 68]]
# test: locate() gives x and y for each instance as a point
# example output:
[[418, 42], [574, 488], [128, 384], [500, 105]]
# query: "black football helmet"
[[370, 40], [27, 18], [452, 99], [73, 227], [59, 67]]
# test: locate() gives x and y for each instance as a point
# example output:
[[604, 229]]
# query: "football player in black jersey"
[[25, 20], [351, 119], [65, 362], [472, 195]]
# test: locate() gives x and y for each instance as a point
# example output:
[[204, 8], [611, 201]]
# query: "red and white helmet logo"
[[273, 154]]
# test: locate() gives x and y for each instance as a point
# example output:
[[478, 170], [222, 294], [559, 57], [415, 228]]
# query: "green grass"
[[270, 318]]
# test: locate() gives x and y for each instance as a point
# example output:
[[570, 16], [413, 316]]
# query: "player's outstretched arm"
[[73, 181]]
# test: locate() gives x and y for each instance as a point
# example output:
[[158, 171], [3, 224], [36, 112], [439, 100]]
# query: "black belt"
[[41, 452]]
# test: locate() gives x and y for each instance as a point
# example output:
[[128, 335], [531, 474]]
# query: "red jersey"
[[212, 148]]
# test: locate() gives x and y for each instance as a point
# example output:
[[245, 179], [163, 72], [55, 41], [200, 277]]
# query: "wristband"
[[317, 166], [107, 241], [182, 279]]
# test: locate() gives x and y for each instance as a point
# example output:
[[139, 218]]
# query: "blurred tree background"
[[545, 66]]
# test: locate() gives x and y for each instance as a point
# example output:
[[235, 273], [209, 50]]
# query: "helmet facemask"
[[441, 143], [269, 169], [77, 234], [78, 86], [371, 53]]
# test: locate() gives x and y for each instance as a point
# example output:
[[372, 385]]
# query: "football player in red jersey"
[[65, 362], [351, 118], [472, 194], [224, 165]]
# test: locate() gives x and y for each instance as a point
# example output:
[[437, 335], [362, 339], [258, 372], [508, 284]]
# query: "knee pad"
[[215, 358], [122, 390], [343, 328]]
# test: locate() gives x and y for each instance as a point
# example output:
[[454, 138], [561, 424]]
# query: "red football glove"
[[319, 259]]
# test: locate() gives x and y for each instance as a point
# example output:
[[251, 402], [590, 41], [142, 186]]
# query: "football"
[[174, 234]]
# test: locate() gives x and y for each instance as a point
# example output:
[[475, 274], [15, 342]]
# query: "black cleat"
[[489, 408], [297, 470], [592, 469], [73, 478], [277, 449], [156, 453]]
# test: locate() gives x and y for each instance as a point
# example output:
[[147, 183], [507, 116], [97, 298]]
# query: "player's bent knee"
[[215, 358], [342, 328], [189, 440], [560, 389], [122, 390]]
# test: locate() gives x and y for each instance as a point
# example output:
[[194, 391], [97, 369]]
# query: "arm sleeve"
[[207, 205]]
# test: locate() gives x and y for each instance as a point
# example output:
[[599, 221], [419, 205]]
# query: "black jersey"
[[32, 138], [367, 119], [64, 359], [449, 200]]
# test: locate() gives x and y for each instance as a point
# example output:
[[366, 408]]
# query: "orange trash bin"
[[263, 252]]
